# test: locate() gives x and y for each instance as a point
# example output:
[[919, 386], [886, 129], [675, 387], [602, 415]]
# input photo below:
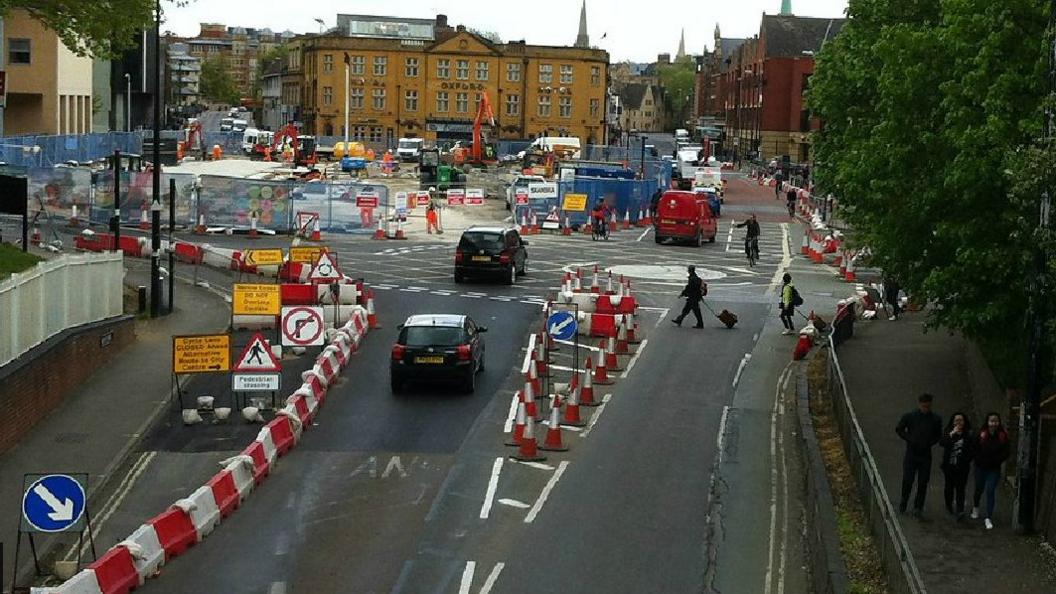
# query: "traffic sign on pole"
[[201, 353], [302, 326], [53, 502], [561, 325], [257, 356]]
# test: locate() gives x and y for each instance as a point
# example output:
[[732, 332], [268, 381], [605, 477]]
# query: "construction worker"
[[386, 162], [267, 153], [217, 152]]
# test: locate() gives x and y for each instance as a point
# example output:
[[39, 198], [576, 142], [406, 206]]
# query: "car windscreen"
[[423, 336], [481, 241], [409, 144]]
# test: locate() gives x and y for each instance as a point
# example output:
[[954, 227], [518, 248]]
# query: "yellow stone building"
[[421, 78]]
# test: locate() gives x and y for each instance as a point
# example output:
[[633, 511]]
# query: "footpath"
[[103, 419]]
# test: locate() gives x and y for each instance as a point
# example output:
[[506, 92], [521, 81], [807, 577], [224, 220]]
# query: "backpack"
[[797, 299]]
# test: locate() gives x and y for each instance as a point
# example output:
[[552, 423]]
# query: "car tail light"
[[398, 351], [464, 352], [458, 256], [504, 257]]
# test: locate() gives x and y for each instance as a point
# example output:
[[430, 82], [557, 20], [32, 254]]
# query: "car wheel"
[[659, 239], [511, 278], [459, 278], [396, 384], [699, 241], [470, 384], [711, 239]]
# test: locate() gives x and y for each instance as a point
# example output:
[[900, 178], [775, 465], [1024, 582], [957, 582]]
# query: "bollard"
[[142, 291]]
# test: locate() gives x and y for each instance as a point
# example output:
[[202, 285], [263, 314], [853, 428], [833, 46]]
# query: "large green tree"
[[216, 81], [678, 80], [933, 114], [96, 27]]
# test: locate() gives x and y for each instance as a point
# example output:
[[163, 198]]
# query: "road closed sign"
[[201, 353], [256, 300]]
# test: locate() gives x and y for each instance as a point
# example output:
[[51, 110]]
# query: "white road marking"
[[744, 362], [663, 316], [493, 484], [418, 288], [514, 503], [729, 237], [581, 344], [467, 577], [471, 296], [277, 588], [409, 290], [644, 233], [722, 431], [634, 359], [563, 368], [532, 513], [786, 261], [511, 417], [536, 465], [597, 415], [768, 581]]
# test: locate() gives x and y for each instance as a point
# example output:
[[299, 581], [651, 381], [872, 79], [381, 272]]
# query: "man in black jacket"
[[920, 429], [694, 292]]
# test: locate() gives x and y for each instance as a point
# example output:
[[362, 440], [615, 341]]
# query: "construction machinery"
[[192, 141], [301, 148], [433, 173], [482, 151]]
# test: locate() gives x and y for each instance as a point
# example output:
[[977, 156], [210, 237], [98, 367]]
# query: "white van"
[[567, 147], [409, 149], [681, 134], [252, 137]]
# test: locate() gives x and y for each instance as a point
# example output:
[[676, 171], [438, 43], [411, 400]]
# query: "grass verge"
[[13, 259]]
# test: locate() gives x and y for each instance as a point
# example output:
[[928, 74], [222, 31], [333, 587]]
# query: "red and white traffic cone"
[[601, 372], [648, 218], [531, 382], [253, 227], [594, 286], [529, 449], [35, 238], [805, 247], [585, 393], [572, 417], [621, 337], [612, 222], [567, 229], [577, 281], [626, 220], [632, 329], [399, 229], [611, 360], [379, 232], [524, 224], [531, 405], [144, 222], [316, 234], [372, 318], [553, 442], [641, 218], [199, 229], [518, 429], [535, 224], [74, 221], [608, 288]]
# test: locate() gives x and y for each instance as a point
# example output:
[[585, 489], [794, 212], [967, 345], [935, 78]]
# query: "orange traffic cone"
[[379, 233], [572, 416], [601, 374], [648, 218], [199, 229], [529, 449], [372, 318], [553, 442], [585, 393], [316, 235], [577, 281], [74, 221], [567, 229], [518, 429], [611, 360], [612, 222], [594, 286], [144, 222], [532, 379], [35, 237], [253, 227], [531, 407], [626, 220], [632, 330], [621, 338], [399, 229]]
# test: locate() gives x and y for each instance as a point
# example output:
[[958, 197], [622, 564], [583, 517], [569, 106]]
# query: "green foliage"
[[13, 259], [678, 80], [216, 82], [932, 109], [95, 27]]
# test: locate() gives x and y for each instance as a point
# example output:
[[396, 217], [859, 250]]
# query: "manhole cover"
[[670, 272]]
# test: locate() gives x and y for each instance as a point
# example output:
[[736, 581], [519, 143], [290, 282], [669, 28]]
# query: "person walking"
[[694, 292], [779, 179], [958, 447], [790, 299], [790, 201], [992, 449], [891, 291], [920, 429]]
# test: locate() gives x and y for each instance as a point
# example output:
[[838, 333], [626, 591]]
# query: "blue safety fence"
[[627, 197], [53, 150]]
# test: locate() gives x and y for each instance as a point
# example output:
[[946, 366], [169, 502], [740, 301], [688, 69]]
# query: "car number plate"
[[482, 258], [430, 360], [668, 222]]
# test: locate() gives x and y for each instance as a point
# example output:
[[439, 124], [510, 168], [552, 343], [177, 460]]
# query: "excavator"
[[482, 151], [191, 141], [302, 147]]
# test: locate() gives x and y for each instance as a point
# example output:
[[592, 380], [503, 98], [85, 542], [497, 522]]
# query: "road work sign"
[[561, 325], [325, 270], [53, 502], [575, 202], [306, 254], [201, 353], [256, 300], [257, 356], [302, 326], [264, 257]]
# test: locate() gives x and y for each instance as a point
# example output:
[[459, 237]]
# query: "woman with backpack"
[[958, 449], [992, 449], [790, 299]]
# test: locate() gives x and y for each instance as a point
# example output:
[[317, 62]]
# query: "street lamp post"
[[155, 206], [128, 102]]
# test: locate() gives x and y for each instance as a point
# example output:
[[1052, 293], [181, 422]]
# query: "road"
[[679, 483]]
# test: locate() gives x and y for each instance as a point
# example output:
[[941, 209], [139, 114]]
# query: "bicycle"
[[598, 230], [751, 249], [791, 208]]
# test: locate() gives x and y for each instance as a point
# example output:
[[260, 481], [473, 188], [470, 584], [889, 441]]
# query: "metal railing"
[[895, 554]]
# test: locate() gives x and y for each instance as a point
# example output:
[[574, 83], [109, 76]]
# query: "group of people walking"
[[963, 449]]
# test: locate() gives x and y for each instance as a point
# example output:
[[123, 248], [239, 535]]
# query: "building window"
[[595, 75], [328, 95], [379, 99], [513, 73], [566, 74], [410, 101], [18, 51], [461, 102], [411, 67], [462, 69], [375, 133], [544, 106], [565, 107], [595, 107], [546, 73], [328, 62], [513, 105], [355, 99], [482, 71], [441, 101], [648, 114], [381, 65], [358, 64], [443, 69], [359, 133]]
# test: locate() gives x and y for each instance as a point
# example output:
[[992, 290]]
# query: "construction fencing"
[[57, 294], [23, 151]]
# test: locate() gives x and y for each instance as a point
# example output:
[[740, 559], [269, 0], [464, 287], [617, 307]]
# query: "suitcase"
[[727, 318]]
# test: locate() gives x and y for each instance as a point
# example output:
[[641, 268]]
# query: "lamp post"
[[155, 206], [128, 102]]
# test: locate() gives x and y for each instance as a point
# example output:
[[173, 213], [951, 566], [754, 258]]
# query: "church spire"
[[786, 7], [681, 45], [583, 40]]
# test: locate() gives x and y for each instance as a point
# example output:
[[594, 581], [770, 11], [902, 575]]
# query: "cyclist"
[[790, 201], [598, 216], [751, 237]]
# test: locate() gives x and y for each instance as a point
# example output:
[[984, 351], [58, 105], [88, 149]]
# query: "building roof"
[[791, 36], [728, 45], [632, 95]]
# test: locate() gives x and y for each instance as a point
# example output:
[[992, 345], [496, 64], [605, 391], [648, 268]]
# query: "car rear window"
[[420, 336], [482, 241]]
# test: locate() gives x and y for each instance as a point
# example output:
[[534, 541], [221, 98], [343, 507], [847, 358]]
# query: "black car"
[[491, 251], [438, 347]]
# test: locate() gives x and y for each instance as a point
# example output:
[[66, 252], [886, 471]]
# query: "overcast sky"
[[636, 29]]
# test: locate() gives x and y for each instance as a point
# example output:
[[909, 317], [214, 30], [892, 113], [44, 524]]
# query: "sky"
[[634, 30]]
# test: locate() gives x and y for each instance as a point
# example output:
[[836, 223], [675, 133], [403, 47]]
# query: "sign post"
[[563, 325]]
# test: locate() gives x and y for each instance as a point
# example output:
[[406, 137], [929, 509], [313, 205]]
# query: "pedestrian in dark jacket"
[[694, 292], [958, 448], [891, 290], [992, 449], [920, 429]]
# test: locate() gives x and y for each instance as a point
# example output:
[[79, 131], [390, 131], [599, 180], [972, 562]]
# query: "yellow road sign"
[[306, 254], [264, 257], [202, 353], [252, 300], [576, 202]]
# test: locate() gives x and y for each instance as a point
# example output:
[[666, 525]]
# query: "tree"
[[216, 82], [97, 27], [931, 112], [679, 82]]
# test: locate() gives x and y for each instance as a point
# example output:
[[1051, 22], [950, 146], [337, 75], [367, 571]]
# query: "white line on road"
[[644, 233], [514, 503], [563, 368], [512, 414], [768, 581], [786, 261], [546, 492], [744, 362], [493, 484], [729, 237], [469, 296], [597, 415], [467, 577], [581, 345], [634, 359], [536, 465], [277, 588], [663, 316], [722, 431]]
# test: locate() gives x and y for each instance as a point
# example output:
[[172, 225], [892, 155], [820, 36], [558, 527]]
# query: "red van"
[[685, 216]]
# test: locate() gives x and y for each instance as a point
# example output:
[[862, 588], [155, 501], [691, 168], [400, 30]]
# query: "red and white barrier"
[[201, 507]]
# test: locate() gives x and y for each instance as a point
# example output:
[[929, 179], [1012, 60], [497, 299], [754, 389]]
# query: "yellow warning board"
[[253, 300], [264, 257], [201, 353], [576, 202], [306, 254]]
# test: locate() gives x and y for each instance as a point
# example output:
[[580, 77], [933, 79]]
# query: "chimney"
[[441, 21], [460, 28]]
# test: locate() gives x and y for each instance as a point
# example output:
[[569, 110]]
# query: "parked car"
[[438, 347], [491, 251], [684, 216], [520, 183]]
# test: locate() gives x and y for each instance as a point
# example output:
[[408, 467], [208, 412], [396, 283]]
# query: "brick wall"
[[39, 381]]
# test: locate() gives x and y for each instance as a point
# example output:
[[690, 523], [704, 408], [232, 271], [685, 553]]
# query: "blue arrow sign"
[[53, 503], [561, 325]]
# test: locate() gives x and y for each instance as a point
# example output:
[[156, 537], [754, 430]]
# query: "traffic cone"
[[572, 417], [199, 229], [611, 360], [316, 235], [626, 219], [535, 224], [553, 442], [612, 222], [532, 379], [621, 338], [608, 289], [585, 393], [253, 227], [35, 237], [379, 233], [74, 221], [529, 449], [399, 229], [632, 329], [648, 217], [577, 281], [594, 286], [524, 224], [587, 227], [641, 218], [567, 229], [601, 373], [372, 318], [518, 429], [144, 222], [528, 398], [849, 275], [805, 247]]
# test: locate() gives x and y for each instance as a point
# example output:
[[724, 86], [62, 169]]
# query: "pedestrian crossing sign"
[[257, 356]]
